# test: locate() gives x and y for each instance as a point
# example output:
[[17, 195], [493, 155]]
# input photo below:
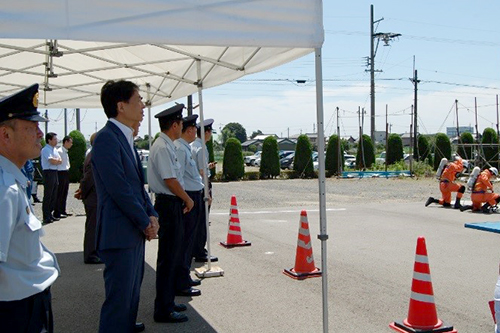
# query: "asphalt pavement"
[[370, 259]]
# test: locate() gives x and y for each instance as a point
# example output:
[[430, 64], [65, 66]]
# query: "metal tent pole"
[[323, 236]]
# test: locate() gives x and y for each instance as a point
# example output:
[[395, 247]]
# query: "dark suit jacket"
[[123, 206], [87, 184]]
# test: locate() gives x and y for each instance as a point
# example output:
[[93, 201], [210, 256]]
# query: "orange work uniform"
[[480, 193], [447, 183]]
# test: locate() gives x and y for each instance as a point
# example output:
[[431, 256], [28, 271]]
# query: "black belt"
[[476, 192], [195, 192], [445, 181], [167, 197]]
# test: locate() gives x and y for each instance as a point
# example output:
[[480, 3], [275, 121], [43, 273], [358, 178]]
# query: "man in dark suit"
[[125, 215], [88, 195]]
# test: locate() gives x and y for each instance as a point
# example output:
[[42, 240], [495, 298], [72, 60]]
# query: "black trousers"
[[89, 239], [62, 192], [30, 314], [200, 240], [191, 221], [50, 184], [170, 239]]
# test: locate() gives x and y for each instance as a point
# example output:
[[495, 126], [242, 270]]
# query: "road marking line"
[[281, 211]]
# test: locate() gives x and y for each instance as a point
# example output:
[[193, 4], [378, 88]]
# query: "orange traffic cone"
[[422, 315], [304, 259], [234, 237]]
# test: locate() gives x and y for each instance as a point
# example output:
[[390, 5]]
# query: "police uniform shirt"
[[49, 152], [63, 152], [196, 148], [27, 267], [163, 164], [191, 174]]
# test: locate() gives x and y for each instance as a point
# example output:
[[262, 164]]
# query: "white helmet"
[[465, 164], [494, 171]]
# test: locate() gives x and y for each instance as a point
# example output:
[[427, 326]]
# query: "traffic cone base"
[[230, 245], [400, 327], [302, 276]]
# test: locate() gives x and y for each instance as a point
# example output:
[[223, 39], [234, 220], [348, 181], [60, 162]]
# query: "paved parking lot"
[[373, 226]]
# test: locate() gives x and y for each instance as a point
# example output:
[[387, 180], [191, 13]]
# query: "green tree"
[[255, 133], [302, 161], [442, 149], [233, 130], [332, 161], [269, 159], [365, 156], [233, 167], [489, 143], [423, 147], [465, 151], [394, 149], [76, 156]]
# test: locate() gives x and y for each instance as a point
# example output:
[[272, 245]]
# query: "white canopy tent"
[[170, 48]]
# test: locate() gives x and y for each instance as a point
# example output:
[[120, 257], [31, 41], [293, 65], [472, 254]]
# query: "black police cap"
[[21, 105], [189, 120], [207, 124], [173, 113]]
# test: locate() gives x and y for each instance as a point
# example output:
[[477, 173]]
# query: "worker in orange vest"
[[447, 184], [483, 192]]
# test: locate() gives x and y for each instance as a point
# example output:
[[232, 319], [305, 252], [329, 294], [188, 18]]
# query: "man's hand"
[[188, 205], [151, 231]]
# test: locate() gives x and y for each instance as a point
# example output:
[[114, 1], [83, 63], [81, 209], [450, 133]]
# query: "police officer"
[[171, 203], [200, 254], [193, 186], [27, 267]]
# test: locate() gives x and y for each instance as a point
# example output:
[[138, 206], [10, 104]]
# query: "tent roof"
[[157, 45]]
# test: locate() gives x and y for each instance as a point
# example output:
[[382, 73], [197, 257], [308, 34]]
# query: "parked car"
[[287, 161], [381, 158], [250, 160]]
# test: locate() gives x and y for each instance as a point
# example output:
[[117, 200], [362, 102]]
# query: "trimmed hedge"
[[442, 149], [423, 148], [233, 167], [332, 156], [269, 159], [394, 149], [490, 151], [465, 152], [302, 161], [365, 156], [76, 156]]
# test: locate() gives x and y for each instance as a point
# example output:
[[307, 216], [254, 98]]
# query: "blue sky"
[[455, 44]]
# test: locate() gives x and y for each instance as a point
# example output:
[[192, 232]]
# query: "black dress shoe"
[[180, 307], [94, 261], [47, 221], [62, 216], [205, 259], [188, 292], [68, 214], [172, 317], [54, 218], [139, 327], [195, 282]]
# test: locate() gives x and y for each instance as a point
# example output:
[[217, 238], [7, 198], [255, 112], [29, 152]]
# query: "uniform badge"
[[35, 100]]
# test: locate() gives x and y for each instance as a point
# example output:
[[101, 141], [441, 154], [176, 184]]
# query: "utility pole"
[[46, 123], [415, 81], [386, 135], [386, 38], [475, 112], [77, 114], [498, 132], [190, 105], [65, 121], [339, 158]]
